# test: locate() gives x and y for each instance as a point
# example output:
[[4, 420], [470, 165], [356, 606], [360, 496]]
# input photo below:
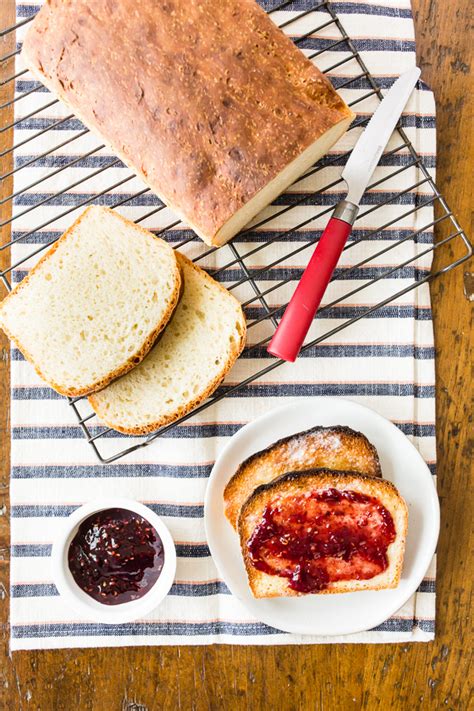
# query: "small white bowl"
[[85, 605]]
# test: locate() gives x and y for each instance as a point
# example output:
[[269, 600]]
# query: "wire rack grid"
[[242, 268]]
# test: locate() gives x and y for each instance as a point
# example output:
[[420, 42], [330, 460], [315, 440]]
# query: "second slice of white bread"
[[334, 447], [297, 483], [198, 347], [93, 306]]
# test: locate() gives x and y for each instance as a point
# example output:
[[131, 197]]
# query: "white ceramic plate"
[[401, 463]]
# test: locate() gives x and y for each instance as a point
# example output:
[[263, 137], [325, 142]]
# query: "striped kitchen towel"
[[385, 361]]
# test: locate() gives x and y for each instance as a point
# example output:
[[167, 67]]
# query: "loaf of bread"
[[211, 105], [322, 531], [195, 352], [338, 448], [93, 306]]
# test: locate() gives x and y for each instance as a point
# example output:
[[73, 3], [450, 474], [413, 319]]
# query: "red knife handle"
[[293, 327]]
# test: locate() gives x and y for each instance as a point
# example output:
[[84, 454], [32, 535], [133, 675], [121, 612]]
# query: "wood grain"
[[422, 676]]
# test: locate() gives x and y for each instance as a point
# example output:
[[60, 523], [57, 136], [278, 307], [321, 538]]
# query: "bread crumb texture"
[[198, 347]]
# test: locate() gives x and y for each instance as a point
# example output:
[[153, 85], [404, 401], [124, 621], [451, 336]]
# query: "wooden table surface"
[[329, 677]]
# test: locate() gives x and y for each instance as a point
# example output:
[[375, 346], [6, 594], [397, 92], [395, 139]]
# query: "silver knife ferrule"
[[346, 211]]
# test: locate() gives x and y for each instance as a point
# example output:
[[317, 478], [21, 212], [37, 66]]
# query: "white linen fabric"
[[385, 360]]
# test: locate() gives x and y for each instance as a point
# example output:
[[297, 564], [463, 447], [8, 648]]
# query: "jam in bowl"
[[116, 556], [114, 560]]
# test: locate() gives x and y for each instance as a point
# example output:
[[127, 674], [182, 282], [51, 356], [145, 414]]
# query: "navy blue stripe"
[[33, 124], [177, 471], [23, 590], [55, 471], [188, 629], [318, 199], [353, 351], [200, 589], [279, 390], [99, 161], [286, 273], [336, 312], [172, 235], [43, 550], [427, 586], [346, 8], [311, 235], [327, 350], [395, 624], [71, 199], [180, 432], [147, 629], [257, 236], [62, 161], [23, 11], [192, 550], [328, 199], [362, 44], [426, 625], [337, 389], [31, 550], [100, 471], [348, 273], [379, 45], [358, 83], [62, 510], [34, 590], [73, 124], [74, 432], [417, 313], [416, 429]]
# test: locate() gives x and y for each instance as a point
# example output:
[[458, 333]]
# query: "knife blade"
[[368, 149], [296, 320]]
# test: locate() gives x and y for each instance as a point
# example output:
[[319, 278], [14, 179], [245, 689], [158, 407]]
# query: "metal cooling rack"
[[259, 313]]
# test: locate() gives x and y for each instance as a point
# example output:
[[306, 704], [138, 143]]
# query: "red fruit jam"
[[320, 537], [116, 556]]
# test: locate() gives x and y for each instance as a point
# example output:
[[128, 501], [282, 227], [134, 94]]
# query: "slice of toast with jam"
[[323, 531]]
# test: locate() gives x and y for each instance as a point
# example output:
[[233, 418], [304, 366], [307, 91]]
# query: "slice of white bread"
[[199, 346], [296, 484], [334, 447], [93, 306]]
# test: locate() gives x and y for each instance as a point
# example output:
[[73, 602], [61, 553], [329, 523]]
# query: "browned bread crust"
[[133, 360], [294, 483], [332, 447], [206, 100]]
